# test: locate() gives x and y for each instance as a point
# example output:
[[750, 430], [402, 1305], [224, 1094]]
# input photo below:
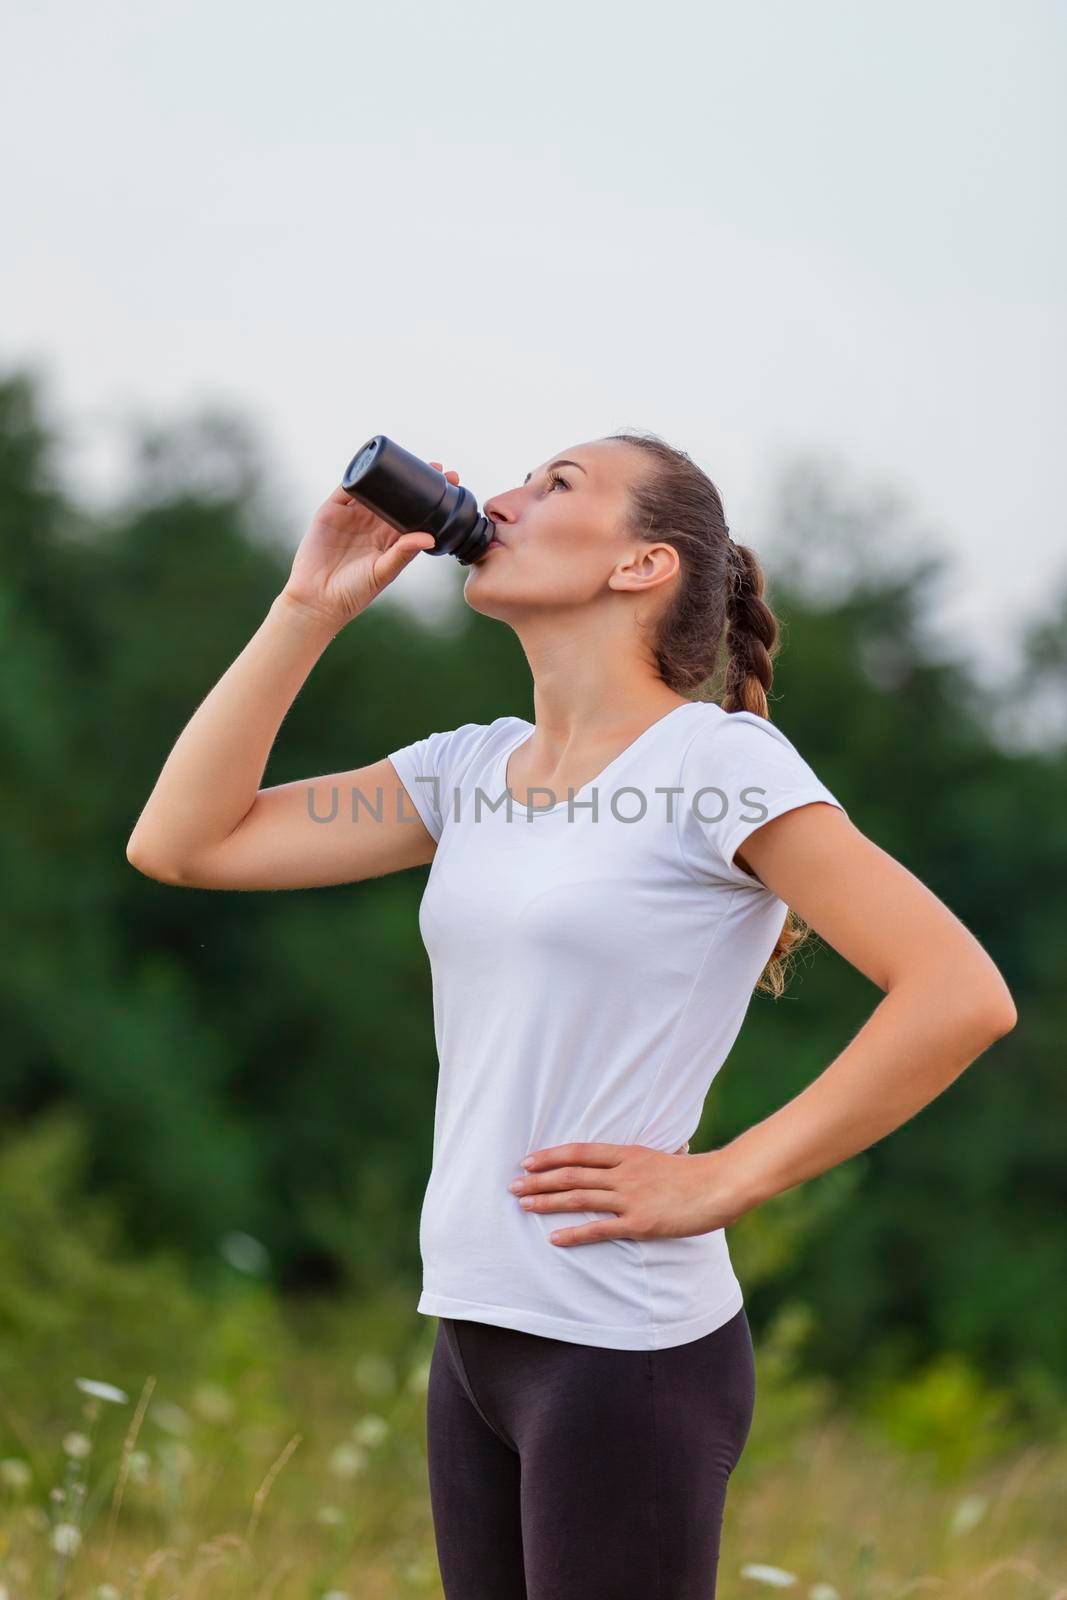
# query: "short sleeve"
[[737, 774], [431, 768], [420, 767]]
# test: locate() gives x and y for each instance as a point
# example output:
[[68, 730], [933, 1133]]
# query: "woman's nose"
[[496, 509]]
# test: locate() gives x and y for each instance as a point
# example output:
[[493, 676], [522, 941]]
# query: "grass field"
[[282, 1453]]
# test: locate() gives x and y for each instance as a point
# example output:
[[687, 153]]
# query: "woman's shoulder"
[[742, 746], [474, 743], [740, 730]]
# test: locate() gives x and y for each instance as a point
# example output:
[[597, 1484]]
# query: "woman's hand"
[[653, 1195], [349, 555]]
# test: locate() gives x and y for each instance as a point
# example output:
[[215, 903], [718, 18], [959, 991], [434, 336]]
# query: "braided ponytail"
[[751, 635], [718, 625]]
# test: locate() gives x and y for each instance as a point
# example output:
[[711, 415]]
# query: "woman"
[[595, 935]]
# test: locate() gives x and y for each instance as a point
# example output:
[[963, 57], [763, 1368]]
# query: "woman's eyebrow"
[[552, 464]]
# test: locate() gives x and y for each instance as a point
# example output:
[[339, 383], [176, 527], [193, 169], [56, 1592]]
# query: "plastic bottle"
[[414, 497]]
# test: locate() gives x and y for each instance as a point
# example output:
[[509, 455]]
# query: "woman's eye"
[[554, 477]]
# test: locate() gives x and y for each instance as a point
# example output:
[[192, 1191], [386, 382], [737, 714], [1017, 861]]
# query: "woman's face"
[[563, 537]]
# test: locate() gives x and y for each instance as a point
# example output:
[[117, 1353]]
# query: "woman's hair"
[[718, 637]]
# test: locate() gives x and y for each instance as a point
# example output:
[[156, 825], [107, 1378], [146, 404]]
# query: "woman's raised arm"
[[207, 823]]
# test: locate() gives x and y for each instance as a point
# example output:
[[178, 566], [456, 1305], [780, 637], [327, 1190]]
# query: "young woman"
[[609, 885]]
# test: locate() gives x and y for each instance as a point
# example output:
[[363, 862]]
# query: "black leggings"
[[563, 1471]]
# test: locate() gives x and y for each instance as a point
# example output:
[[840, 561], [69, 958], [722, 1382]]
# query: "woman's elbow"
[[149, 868], [992, 1005], [978, 1002], [979, 985], [1002, 1013]]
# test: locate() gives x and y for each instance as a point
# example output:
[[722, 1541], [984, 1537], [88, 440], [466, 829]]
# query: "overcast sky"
[[493, 231]]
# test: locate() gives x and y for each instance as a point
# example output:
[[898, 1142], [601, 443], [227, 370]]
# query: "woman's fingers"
[[391, 563]]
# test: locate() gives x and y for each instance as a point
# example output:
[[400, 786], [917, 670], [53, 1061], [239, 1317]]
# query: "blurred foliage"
[[75, 1300], [263, 1064]]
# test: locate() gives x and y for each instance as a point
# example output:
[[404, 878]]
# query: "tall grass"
[[169, 1439], [302, 1473]]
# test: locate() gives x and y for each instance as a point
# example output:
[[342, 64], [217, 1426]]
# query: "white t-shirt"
[[591, 971]]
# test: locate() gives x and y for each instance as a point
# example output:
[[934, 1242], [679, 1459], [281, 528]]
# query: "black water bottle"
[[414, 497]]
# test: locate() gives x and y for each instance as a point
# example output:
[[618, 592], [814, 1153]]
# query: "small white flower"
[[970, 1511], [103, 1391], [371, 1429], [58, 1495], [66, 1539], [140, 1465], [77, 1445], [335, 1594], [347, 1460], [329, 1516], [213, 1403], [245, 1253], [765, 1574], [171, 1418], [106, 1591], [15, 1473], [823, 1591]]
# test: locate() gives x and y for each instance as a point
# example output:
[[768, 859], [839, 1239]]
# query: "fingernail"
[[528, 1162]]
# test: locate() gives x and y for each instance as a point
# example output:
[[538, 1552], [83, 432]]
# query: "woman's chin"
[[473, 593], [479, 596]]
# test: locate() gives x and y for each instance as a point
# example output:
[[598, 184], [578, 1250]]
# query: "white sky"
[[491, 232]]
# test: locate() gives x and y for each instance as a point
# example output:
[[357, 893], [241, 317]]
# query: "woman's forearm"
[[212, 776], [915, 1043]]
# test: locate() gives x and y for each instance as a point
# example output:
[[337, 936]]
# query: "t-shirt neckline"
[[500, 774]]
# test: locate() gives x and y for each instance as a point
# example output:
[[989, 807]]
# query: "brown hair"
[[718, 637]]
